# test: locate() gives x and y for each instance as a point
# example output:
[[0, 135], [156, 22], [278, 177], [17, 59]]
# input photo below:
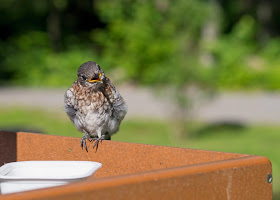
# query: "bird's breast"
[[95, 110]]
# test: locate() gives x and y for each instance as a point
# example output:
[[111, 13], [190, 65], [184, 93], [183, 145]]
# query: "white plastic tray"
[[29, 175]]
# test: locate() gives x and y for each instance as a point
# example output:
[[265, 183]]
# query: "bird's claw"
[[83, 142], [97, 142]]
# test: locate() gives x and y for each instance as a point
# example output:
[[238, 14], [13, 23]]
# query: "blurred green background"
[[196, 46], [225, 44]]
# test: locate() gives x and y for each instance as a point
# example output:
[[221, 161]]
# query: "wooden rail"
[[138, 171]]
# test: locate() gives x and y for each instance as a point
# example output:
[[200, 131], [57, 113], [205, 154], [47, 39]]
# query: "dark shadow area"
[[223, 127], [8, 147]]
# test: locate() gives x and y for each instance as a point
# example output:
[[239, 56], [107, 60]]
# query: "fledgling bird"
[[94, 105]]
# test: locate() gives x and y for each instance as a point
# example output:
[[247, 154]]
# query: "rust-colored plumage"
[[94, 105]]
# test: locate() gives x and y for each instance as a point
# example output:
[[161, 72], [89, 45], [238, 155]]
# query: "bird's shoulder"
[[109, 89], [77, 91], [71, 93], [112, 94], [80, 96]]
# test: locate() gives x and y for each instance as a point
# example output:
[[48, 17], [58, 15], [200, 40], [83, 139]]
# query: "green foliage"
[[242, 63], [30, 61], [231, 52], [154, 41], [269, 78]]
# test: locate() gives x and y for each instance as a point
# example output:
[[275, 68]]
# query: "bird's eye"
[[83, 77]]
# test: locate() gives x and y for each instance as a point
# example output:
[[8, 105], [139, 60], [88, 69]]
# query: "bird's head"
[[91, 75]]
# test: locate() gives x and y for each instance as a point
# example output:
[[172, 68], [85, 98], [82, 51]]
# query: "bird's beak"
[[96, 79]]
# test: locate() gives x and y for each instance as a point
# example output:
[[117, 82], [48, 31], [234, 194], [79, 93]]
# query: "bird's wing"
[[69, 104], [118, 103]]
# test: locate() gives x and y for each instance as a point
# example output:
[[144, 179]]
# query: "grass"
[[227, 137]]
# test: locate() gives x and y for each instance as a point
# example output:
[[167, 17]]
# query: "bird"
[[94, 105]]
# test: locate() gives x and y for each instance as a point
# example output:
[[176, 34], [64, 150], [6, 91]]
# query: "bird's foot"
[[83, 141], [97, 142]]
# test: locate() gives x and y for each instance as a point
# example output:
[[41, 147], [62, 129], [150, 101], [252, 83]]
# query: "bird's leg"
[[97, 142], [83, 141]]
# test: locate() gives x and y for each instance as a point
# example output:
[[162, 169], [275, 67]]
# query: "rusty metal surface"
[[137, 171], [8, 147]]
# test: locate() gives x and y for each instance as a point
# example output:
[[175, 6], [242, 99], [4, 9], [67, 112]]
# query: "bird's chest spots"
[[91, 102]]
